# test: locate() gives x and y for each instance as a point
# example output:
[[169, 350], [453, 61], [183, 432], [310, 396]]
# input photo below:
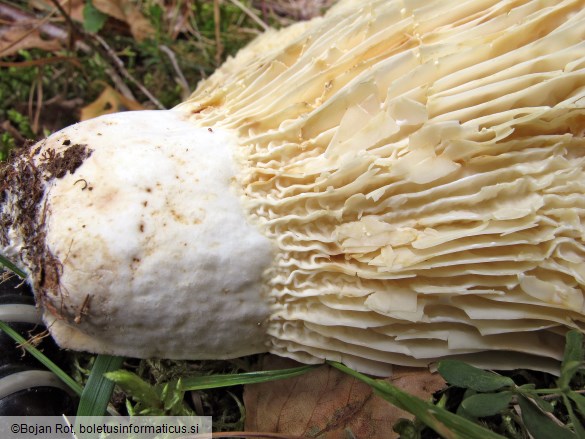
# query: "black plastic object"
[[26, 388]]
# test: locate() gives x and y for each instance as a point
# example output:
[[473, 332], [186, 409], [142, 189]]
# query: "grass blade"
[[6, 263], [70, 382], [214, 381], [445, 423], [163, 399], [98, 389], [135, 386]]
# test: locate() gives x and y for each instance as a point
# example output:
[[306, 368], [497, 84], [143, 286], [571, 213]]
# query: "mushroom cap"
[[409, 181]]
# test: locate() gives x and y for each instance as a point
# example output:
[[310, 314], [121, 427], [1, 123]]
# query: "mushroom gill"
[[420, 167]]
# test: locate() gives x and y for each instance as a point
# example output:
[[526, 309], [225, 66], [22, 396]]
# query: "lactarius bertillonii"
[[393, 183]]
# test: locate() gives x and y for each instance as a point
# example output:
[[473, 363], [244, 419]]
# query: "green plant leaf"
[[135, 387], [12, 267], [461, 411], [542, 404], [167, 398], [22, 122], [573, 347], [130, 408], [172, 398], [445, 423], [577, 425], [579, 401], [572, 358], [487, 404], [214, 381], [406, 429], [539, 425], [93, 18], [98, 389], [71, 383], [460, 374], [568, 370]]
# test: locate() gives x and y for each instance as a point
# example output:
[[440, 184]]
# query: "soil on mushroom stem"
[[24, 178]]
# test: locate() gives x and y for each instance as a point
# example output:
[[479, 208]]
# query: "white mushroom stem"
[[153, 254], [407, 184]]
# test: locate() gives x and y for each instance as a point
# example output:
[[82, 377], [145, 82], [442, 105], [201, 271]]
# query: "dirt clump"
[[24, 179]]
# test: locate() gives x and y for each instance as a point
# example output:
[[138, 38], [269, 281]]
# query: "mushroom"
[[393, 183]]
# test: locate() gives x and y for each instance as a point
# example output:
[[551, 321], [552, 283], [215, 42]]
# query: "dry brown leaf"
[[122, 10], [139, 26], [129, 13], [298, 9], [24, 36], [111, 8], [109, 101], [327, 403], [73, 7]]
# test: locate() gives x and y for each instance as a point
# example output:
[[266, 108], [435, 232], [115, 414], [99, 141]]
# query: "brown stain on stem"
[[25, 176]]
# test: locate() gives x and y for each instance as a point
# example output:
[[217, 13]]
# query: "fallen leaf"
[[111, 8], [73, 7], [123, 10], [139, 26], [109, 101], [328, 404], [22, 36], [130, 14]]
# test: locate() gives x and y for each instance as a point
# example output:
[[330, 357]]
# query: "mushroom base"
[[145, 239]]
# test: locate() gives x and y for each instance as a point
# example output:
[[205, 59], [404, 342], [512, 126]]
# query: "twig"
[[56, 32], [7, 126], [552, 417], [119, 64], [48, 29], [180, 77], [299, 10], [39, 104], [31, 95], [251, 14], [35, 114], [217, 19], [106, 52], [197, 401], [40, 62], [120, 84], [25, 35], [59, 101], [548, 397]]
